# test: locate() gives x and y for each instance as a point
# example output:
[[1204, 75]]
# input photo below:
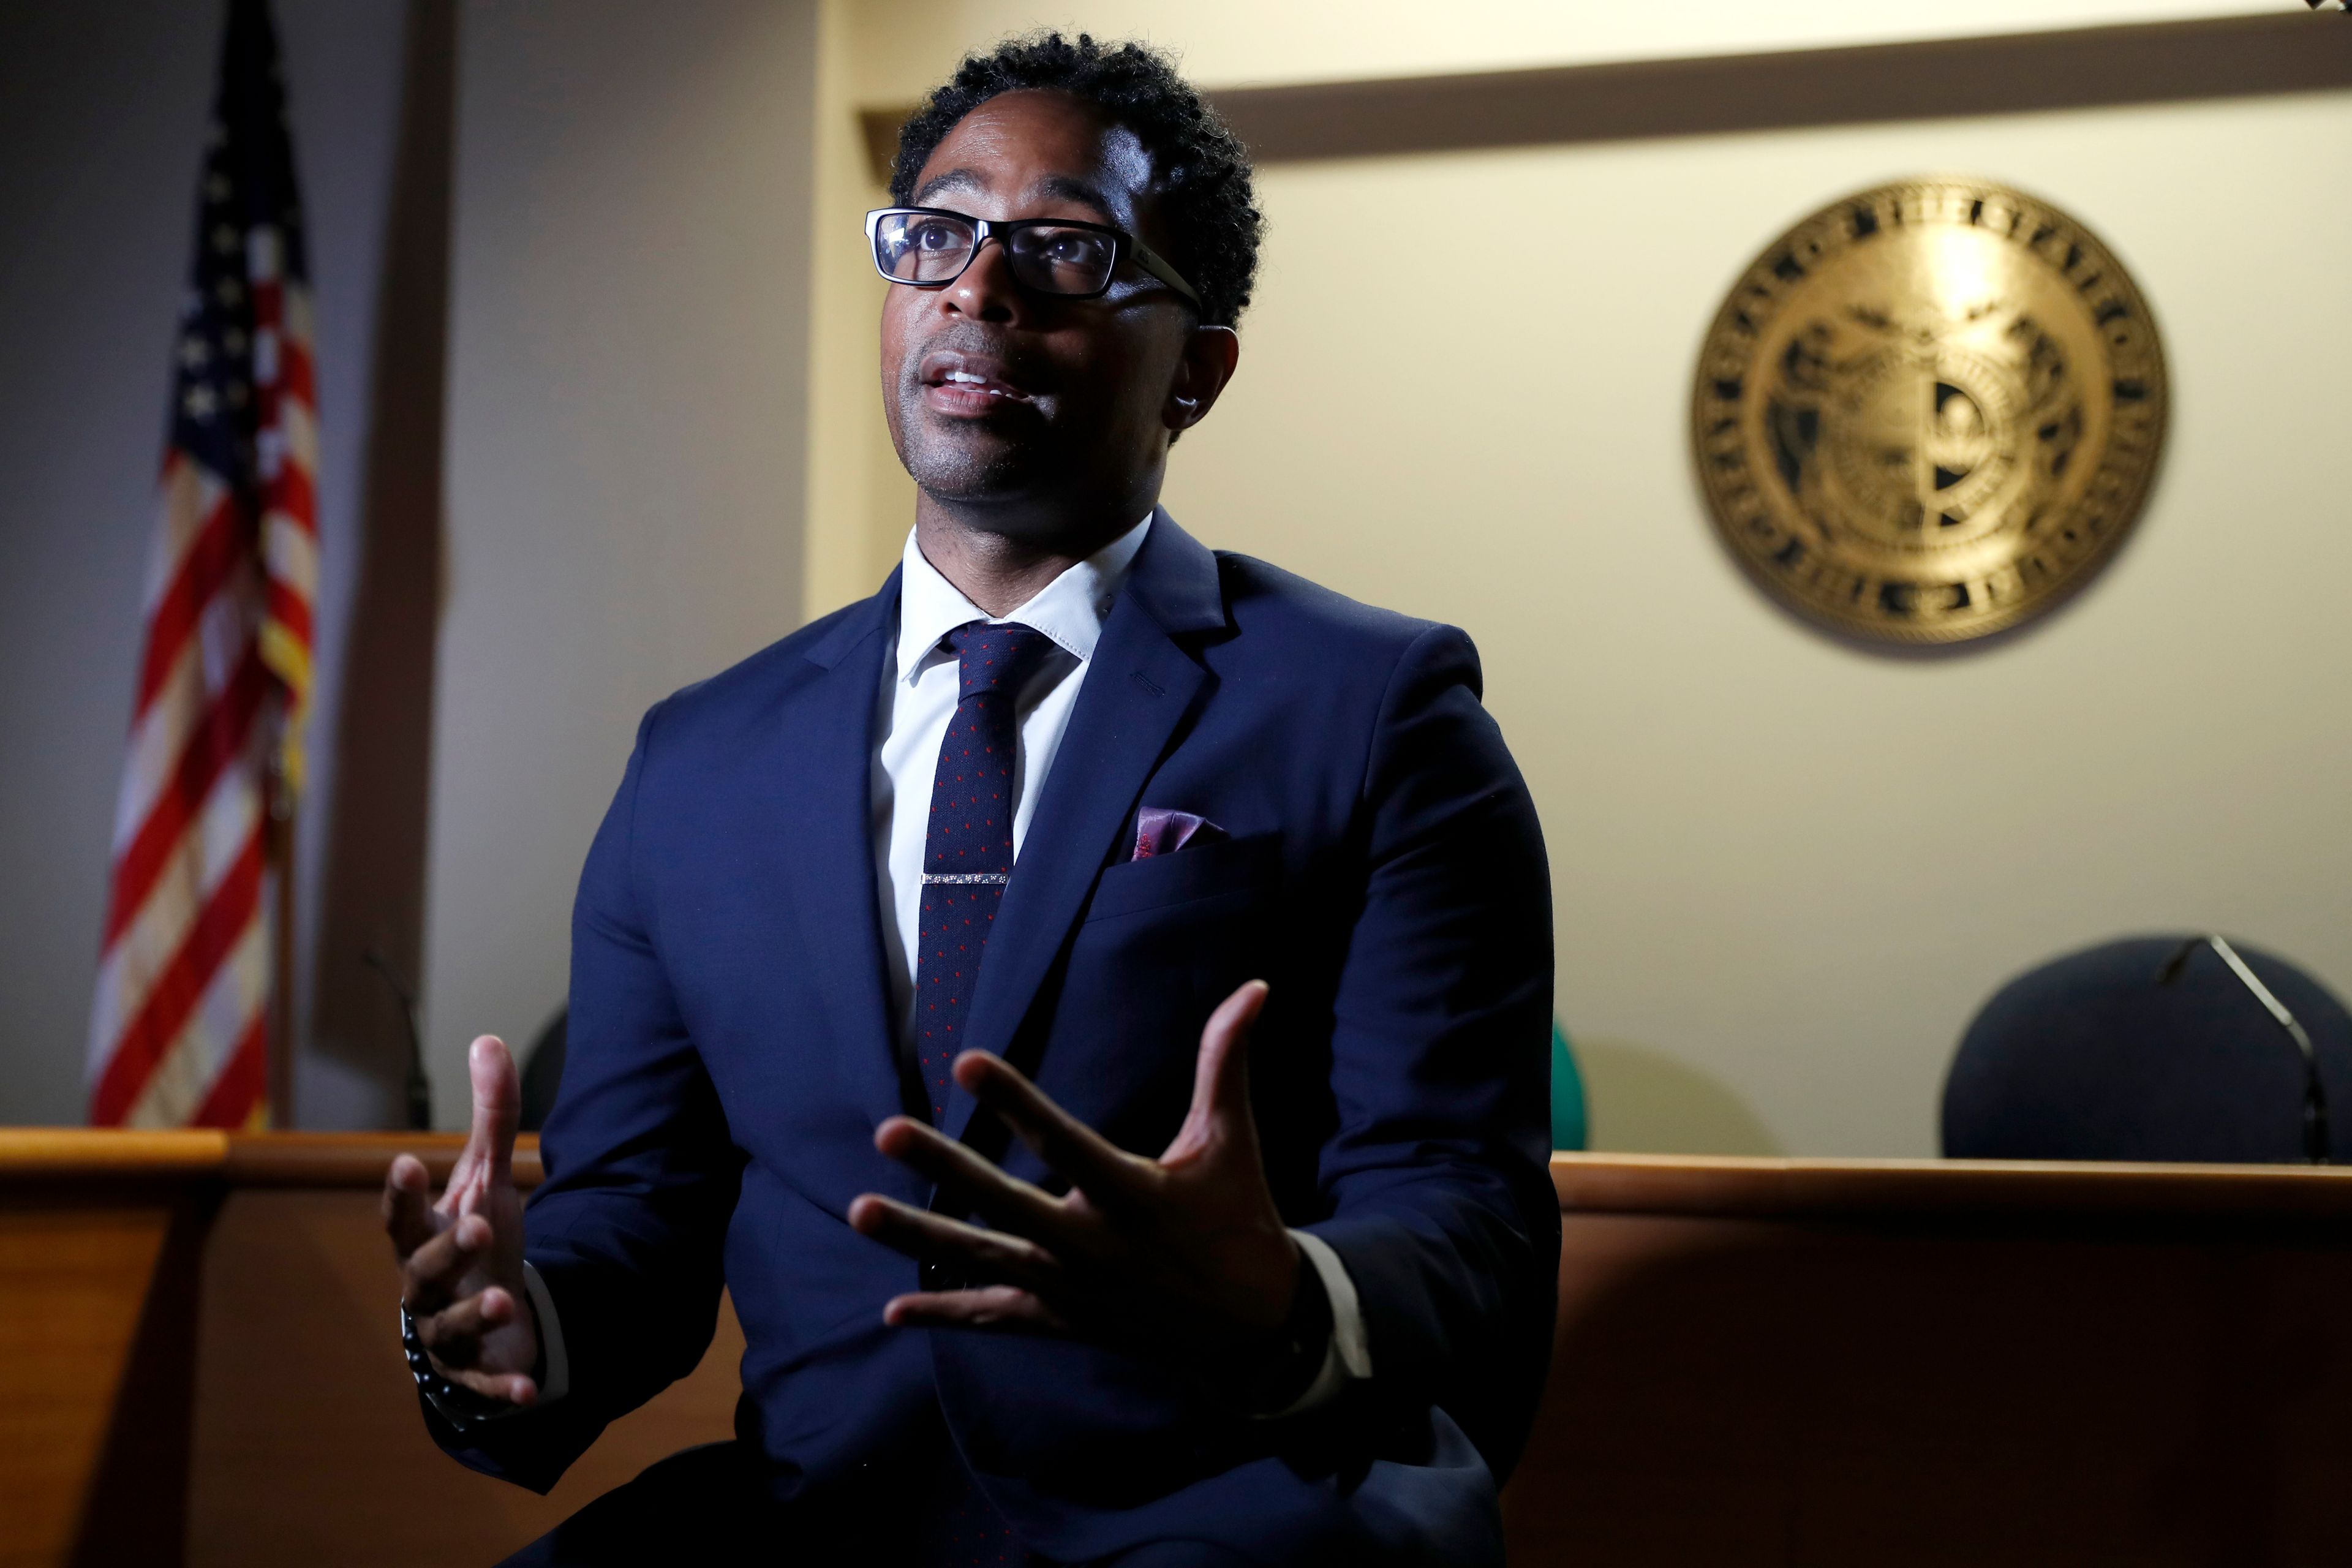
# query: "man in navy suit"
[[1151, 946]]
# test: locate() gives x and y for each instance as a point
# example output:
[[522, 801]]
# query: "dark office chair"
[[2159, 1048]]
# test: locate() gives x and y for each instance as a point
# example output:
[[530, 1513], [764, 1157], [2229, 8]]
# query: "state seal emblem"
[[1930, 412]]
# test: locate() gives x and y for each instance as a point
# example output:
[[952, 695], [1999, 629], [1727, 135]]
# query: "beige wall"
[[1786, 872], [628, 386], [854, 484]]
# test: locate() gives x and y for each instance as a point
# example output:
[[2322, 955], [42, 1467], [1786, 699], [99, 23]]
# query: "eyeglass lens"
[[928, 247]]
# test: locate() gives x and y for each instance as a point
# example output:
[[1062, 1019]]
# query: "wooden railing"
[[1755, 1361], [1925, 1363], [196, 1361]]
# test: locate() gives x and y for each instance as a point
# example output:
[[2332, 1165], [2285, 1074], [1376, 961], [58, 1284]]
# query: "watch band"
[[453, 1402]]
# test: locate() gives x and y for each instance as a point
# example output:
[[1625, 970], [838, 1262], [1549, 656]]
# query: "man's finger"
[[1221, 1106], [994, 1308], [936, 1238], [1223, 1076], [408, 1206], [514, 1387], [1069, 1146], [1004, 1201], [498, 1106], [428, 1280], [453, 1334]]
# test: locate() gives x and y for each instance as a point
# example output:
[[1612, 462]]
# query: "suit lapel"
[[825, 747], [1138, 687]]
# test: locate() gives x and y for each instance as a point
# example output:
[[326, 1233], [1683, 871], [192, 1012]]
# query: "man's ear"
[[1210, 355]]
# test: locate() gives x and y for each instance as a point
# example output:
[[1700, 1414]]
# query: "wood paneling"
[[35, 1157], [1773, 1362], [354, 1159], [2156, 62], [1831, 1363], [308, 1446], [94, 1337], [1919, 1189], [200, 1361]]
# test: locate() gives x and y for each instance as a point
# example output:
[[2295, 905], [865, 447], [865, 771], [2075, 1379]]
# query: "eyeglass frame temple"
[[1125, 245]]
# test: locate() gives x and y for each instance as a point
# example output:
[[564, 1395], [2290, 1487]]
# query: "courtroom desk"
[[1830, 1363], [200, 1363], [1758, 1361], [99, 1236]]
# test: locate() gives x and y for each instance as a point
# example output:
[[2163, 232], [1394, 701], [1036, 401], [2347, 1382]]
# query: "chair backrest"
[[1570, 1126], [2091, 1058]]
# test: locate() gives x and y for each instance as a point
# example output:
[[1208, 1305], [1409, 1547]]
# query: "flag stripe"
[[218, 739], [242, 1083], [206, 665], [214, 553], [237, 992], [297, 371], [297, 432], [290, 494], [186, 496], [190, 876], [177, 990], [288, 610], [291, 551]]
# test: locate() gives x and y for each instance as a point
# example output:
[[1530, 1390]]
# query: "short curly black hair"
[[1204, 173]]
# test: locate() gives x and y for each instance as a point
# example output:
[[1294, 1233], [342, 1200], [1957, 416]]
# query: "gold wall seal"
[[1929, 411]]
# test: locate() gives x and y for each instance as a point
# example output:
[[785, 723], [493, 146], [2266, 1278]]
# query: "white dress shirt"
[[921, 685]]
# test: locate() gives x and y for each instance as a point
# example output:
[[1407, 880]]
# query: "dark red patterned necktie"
[[968, 848]]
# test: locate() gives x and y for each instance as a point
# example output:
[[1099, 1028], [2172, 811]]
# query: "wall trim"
[[2085, 67]]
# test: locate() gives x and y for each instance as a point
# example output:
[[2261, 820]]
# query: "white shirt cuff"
[[1348, 1358], [558, 1382]]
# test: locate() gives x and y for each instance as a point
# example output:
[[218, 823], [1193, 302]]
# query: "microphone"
[[2317, 1146], [418, 1086]]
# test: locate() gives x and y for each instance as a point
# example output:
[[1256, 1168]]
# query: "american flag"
[[179, 1032]]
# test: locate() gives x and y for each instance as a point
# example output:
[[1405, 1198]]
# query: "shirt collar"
[[1069, 610]]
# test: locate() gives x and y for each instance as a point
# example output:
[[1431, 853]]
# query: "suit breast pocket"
[[1164, 942], [1232, 869]]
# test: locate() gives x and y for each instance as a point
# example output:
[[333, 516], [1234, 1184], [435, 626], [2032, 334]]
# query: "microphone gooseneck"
[[2317, 1146], [419, 1088]]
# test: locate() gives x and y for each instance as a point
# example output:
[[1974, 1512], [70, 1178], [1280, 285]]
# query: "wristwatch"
[[453, 1402], [1275, 1375]]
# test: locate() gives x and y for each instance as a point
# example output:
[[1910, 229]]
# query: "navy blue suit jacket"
[[731, 1050]]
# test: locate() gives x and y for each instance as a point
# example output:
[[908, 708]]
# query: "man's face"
[[1071, 408]]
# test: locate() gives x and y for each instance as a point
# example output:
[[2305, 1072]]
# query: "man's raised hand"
[[461, 1258], [1184, 1257]]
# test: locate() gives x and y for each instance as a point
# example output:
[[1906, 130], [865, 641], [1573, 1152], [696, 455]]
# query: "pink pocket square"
[[1160, 831]]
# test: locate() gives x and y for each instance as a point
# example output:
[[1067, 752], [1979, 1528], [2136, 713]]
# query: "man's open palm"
[[1182, 1256], [461, 1258]]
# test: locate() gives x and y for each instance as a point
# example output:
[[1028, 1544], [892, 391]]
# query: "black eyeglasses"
[[927, 247]]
